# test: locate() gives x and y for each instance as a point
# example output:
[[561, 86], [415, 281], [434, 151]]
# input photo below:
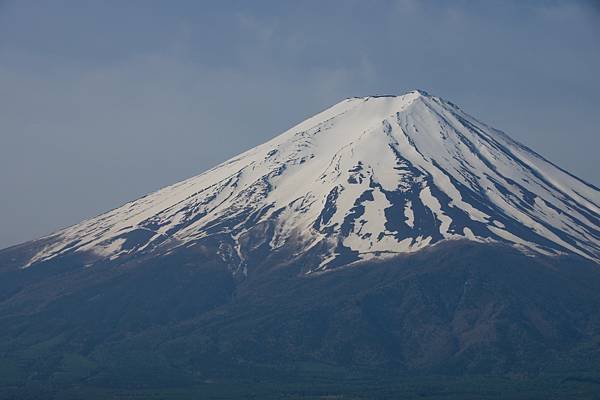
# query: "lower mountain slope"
[[459, 311]]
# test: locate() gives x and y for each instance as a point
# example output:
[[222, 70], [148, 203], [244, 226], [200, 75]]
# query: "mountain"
[[388, 246]]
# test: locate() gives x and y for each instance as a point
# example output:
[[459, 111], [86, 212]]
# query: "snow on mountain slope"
[[369, 177]]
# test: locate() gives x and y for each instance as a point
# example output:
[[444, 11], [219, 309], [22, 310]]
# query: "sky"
[[102, 102]]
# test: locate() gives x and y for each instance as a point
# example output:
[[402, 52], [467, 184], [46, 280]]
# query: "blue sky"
[[104, 101]]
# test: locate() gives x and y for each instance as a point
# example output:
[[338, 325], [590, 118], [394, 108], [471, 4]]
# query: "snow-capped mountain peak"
[[370, 177]]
